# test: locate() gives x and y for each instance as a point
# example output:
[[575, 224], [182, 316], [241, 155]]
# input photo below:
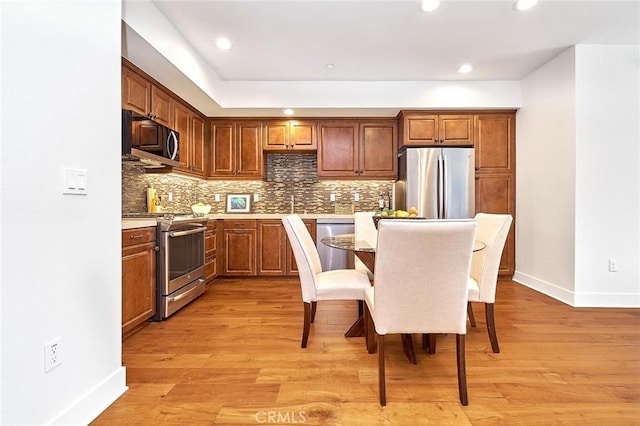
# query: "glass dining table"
[[367, 254]]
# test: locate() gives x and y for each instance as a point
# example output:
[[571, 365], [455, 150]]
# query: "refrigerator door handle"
[[445, 202], [441, 187]]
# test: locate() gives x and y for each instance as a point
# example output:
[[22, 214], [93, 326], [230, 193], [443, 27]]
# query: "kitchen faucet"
[[292, 203]]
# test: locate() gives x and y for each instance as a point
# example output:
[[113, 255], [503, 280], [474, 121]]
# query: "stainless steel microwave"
[[154, 144]]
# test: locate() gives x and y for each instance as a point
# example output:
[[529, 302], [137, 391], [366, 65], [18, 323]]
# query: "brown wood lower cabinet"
[[275, 257], [239, 243], [138, 278], [210, 251]]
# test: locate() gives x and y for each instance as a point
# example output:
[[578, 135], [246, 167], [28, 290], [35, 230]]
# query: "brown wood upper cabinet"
[[290, 135], [144, 97], [236, 150], [425, 129], [359, 149], [191, 128]]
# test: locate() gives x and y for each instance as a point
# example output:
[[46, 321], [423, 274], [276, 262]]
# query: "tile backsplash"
[[286, 175]]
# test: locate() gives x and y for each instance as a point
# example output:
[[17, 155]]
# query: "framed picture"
[[238, 203]]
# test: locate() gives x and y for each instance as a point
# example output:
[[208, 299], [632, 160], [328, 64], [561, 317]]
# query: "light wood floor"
[[233, 357]]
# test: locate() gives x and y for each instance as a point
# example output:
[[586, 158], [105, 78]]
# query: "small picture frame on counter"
[[238, 203]]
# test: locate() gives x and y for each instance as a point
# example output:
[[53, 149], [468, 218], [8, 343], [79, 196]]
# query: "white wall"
[[545, 179], [61, 266], [607, 175], [577, 177]]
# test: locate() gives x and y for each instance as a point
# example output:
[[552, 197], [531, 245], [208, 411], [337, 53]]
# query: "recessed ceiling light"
[[429, 5], [288, 111], [223, 43], [524, 4], [465, 68], [330, 66]]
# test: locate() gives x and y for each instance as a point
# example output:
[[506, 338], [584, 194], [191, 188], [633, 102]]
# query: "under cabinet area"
[[138, 278]]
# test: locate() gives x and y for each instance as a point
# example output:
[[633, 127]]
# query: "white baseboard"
[[95, 401], [579, 300], [545, 287]]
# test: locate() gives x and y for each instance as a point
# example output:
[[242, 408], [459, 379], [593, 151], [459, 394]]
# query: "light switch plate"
[[75, 181]]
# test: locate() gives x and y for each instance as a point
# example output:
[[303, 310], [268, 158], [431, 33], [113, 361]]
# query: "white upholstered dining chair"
[[425, 296], [364, 230], [493, 230], [339, 284]]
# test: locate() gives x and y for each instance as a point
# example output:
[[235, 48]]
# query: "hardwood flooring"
[[234, 357]]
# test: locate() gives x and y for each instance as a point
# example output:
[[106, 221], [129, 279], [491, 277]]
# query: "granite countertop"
[[131, 223]]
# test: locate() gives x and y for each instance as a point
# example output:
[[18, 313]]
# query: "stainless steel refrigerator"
[[439, 182]]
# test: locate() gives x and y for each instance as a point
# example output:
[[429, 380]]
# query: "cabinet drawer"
[[131, 237], [239, 224], [210, 243]]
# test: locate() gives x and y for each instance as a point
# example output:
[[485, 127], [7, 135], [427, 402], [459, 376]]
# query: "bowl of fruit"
[[387, 213], [200, 209]]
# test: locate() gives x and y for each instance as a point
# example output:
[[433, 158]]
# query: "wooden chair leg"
[[472, 318], [462, 372], [432, 343], [407, 347], [491, 327], [425, 341], [369, 331], [307, 324], [381, 380], [313, 311]]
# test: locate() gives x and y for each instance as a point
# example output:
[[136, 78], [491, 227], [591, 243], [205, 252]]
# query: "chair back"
[[364, 228], [305, 253], [421, 273], [492, 231]]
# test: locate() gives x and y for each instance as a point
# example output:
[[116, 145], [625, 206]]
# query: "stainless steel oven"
[[181, 263]]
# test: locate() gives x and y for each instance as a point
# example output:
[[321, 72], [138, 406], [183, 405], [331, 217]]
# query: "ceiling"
[[288, 44]]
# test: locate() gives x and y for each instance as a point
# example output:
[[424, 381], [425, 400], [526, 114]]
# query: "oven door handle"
[[185, 294], [188, 232]]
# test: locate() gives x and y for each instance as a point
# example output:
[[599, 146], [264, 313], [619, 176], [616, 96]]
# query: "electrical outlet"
[[170, 196], [356, 196], [332, 197], [216, 197], [613, 265], [256, 197], [52, 355]]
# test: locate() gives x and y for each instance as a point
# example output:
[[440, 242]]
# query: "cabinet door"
[[419, 130], [161, 106], [138, 286], [136, 92], [272, 251], [338, 149], [276, 135], [378, 150], [455, 130], [197, 145], [240, 252], [182, 124], [248, 150], [222, 150], [303, 135], [495, 193], [494, 143]]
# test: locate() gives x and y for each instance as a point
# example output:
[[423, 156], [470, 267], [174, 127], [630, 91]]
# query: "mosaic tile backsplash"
[[286, 175]]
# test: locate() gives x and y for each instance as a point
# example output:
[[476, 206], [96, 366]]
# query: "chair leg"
[[313, 311], [381, 380], [369, 331], [491, 327], [307, 324], [472, 318], [462, 372], [429, 343]]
